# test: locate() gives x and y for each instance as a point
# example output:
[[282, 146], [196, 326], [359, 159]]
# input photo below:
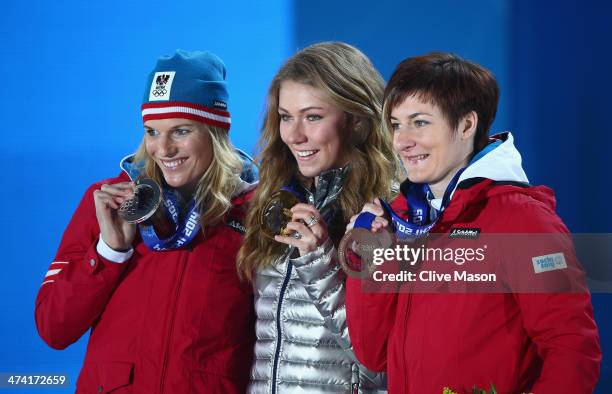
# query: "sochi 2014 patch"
[[161, 86], [549, 262]]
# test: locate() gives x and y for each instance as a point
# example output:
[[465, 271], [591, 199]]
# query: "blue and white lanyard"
[[420, 220], [186, 228]]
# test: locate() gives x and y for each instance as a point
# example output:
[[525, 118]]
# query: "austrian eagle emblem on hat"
[[161, 86]]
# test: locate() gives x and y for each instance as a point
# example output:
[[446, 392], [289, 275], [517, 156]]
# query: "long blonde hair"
[[352, 84], [217, 184]]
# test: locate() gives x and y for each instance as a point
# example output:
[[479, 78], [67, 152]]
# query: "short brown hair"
[[453, 84]]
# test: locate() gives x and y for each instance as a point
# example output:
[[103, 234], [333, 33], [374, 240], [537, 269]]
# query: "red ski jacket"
[[518, 341], [177, 321]]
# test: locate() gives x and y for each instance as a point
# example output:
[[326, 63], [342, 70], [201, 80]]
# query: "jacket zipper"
[[172, 317], [408, 307], [355, 379], [278, 324], [405, 330]]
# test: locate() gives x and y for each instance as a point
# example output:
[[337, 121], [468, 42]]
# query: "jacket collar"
[[328, 188], [499, 163]]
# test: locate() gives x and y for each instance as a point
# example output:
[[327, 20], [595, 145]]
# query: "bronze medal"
[[356, 250]]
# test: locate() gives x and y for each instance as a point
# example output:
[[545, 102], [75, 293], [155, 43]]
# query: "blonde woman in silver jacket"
[[321, 141]]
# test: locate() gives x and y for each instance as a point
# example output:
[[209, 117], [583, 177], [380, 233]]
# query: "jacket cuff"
[[111, 254]]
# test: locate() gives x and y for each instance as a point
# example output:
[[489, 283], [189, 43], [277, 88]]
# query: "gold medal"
[[277, 213]]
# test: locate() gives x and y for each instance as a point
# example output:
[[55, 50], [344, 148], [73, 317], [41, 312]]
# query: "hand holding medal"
[[368, 230], [285, 219], [365, 228], [379, 222], [115, 231], [308, 230]]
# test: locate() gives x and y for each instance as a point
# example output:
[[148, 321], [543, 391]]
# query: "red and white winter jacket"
[[177, 321], [540, 342]]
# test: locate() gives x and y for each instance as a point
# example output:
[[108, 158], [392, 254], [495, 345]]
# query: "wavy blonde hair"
[[217, 184], [352, 84]]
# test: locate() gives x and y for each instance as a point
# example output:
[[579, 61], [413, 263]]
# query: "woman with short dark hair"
[[462, 185]]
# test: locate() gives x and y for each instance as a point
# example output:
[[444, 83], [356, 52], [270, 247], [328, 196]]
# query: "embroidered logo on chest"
[[464, 233], [236, 225]]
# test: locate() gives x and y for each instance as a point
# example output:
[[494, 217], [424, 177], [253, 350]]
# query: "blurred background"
[[73, 76]]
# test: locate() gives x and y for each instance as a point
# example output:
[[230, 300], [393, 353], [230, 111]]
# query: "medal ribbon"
[[419, 221], [295, 188], [186, 228]]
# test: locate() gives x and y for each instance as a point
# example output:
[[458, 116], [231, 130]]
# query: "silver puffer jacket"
[[303, 344]]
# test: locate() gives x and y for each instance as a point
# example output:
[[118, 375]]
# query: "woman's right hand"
[[116, 232], [380, 222]]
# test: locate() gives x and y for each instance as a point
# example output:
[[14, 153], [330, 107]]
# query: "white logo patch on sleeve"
[[161, 86], [549, 262]]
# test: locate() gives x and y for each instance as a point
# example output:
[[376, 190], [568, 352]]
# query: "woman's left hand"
[[308, 223]]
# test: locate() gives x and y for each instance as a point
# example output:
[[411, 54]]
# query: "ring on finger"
[[313, 220], [296, 235]]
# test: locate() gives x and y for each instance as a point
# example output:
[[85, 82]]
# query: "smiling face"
[[431, 151], [181, 148], [312, 128]]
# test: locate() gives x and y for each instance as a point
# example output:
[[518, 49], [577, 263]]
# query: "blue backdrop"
[[73, 74]]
